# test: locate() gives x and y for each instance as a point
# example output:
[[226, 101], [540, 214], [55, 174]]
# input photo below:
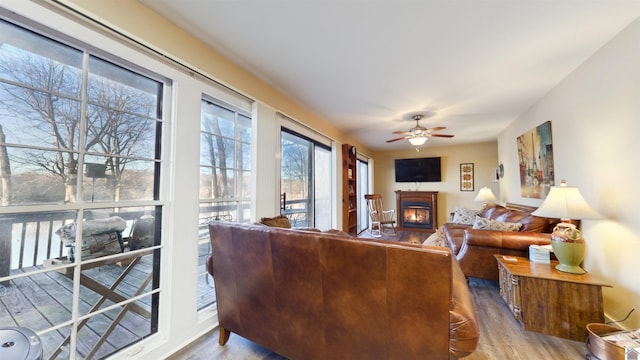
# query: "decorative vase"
[[569, 247]]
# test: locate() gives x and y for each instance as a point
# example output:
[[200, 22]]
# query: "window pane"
[[38, 62], [51, 341], [115, 132], [362, 189], [29, 239], [117, 88], [112, 183], [217, 120], [135, 272], [30, 117], [216, 183], [98, 340], [244, 156], [216, 151], [40, 177], [322, 188], [294, 179], [244, 128], [224, 210], [244, 184]]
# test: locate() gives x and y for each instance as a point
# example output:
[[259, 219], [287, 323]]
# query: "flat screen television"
[[418, 170]]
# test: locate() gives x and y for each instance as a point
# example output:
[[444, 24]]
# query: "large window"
[[305, 181], [80, 235], [225, 177]]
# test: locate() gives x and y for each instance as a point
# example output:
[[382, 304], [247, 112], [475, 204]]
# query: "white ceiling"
[[367, 66]]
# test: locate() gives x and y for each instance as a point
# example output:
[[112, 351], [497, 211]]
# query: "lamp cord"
[[625, 318]]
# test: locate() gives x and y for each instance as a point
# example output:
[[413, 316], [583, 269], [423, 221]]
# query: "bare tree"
[[47, 114], [117, 128], [213, 140], [44, 95], [295, 168]]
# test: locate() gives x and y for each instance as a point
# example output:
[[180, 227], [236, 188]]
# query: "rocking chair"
[[378, 216]]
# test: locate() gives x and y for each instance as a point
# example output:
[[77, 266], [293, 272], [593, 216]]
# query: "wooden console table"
[[549, 301]]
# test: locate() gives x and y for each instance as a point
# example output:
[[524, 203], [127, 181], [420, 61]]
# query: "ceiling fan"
[[418, 135]]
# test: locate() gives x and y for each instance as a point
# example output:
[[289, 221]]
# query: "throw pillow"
[[436, 239], [488, 224], [464, 216], [278, 221]]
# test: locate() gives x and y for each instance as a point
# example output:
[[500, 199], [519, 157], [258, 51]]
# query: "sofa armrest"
[[504, 239], [463, 325], [454, 233]]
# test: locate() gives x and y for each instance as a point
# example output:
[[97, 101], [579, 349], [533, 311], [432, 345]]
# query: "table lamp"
[[486, 196], [565, 203]]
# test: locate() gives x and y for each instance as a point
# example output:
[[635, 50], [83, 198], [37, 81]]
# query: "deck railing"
[[28, 239]]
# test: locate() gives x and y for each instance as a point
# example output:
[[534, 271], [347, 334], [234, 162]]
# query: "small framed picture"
[[466, 177]]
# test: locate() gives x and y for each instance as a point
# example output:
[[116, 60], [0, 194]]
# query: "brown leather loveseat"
[[474, 248], [309, 295]]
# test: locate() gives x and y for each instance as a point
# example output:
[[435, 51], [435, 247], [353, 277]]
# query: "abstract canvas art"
[[535, 154]]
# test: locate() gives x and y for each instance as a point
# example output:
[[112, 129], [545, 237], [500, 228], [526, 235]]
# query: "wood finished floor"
[[501, 337]]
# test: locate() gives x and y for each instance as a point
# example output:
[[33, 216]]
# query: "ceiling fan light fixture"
[[418, 140]]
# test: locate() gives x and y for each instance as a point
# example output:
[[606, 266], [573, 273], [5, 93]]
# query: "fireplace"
[[417, 210], [416, 215]]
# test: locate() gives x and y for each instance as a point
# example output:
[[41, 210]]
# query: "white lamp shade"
[[566, 202], [486, 195], [418, 140]]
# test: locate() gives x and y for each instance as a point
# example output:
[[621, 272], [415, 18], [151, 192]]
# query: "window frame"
[[80, 207]]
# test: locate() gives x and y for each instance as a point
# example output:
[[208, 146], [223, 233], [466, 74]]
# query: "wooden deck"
[[43, 300]]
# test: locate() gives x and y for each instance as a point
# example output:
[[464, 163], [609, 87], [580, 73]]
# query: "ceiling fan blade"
[[441, 135], [437, 128], [396, 139], [401, 132]]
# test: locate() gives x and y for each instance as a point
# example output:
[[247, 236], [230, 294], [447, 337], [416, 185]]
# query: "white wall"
[[484, 156], [595, 115]]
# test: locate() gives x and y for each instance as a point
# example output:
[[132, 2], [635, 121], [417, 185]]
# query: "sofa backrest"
[[519, 214], [309, 295]]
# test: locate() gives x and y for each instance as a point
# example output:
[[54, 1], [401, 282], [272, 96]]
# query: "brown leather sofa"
[[309, 295], [474, 248]]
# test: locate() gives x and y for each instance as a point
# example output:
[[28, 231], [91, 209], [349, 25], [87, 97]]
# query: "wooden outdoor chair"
[[378, 216]]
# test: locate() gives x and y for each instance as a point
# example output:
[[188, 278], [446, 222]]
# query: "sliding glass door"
[[305, 181], [362, 167]]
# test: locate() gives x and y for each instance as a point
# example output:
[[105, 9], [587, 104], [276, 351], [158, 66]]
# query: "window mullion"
[[83, 126]]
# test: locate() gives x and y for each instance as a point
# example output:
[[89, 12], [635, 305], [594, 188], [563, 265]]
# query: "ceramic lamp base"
[[569, 253], [574, 269]]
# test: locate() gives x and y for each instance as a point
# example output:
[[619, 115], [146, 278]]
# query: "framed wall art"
[[535, 156], [466, 177]]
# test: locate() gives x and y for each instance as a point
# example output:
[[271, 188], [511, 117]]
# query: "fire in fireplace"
[[417, 210], [416, 215]]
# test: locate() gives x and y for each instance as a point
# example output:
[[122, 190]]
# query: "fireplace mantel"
[[420, 202]]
